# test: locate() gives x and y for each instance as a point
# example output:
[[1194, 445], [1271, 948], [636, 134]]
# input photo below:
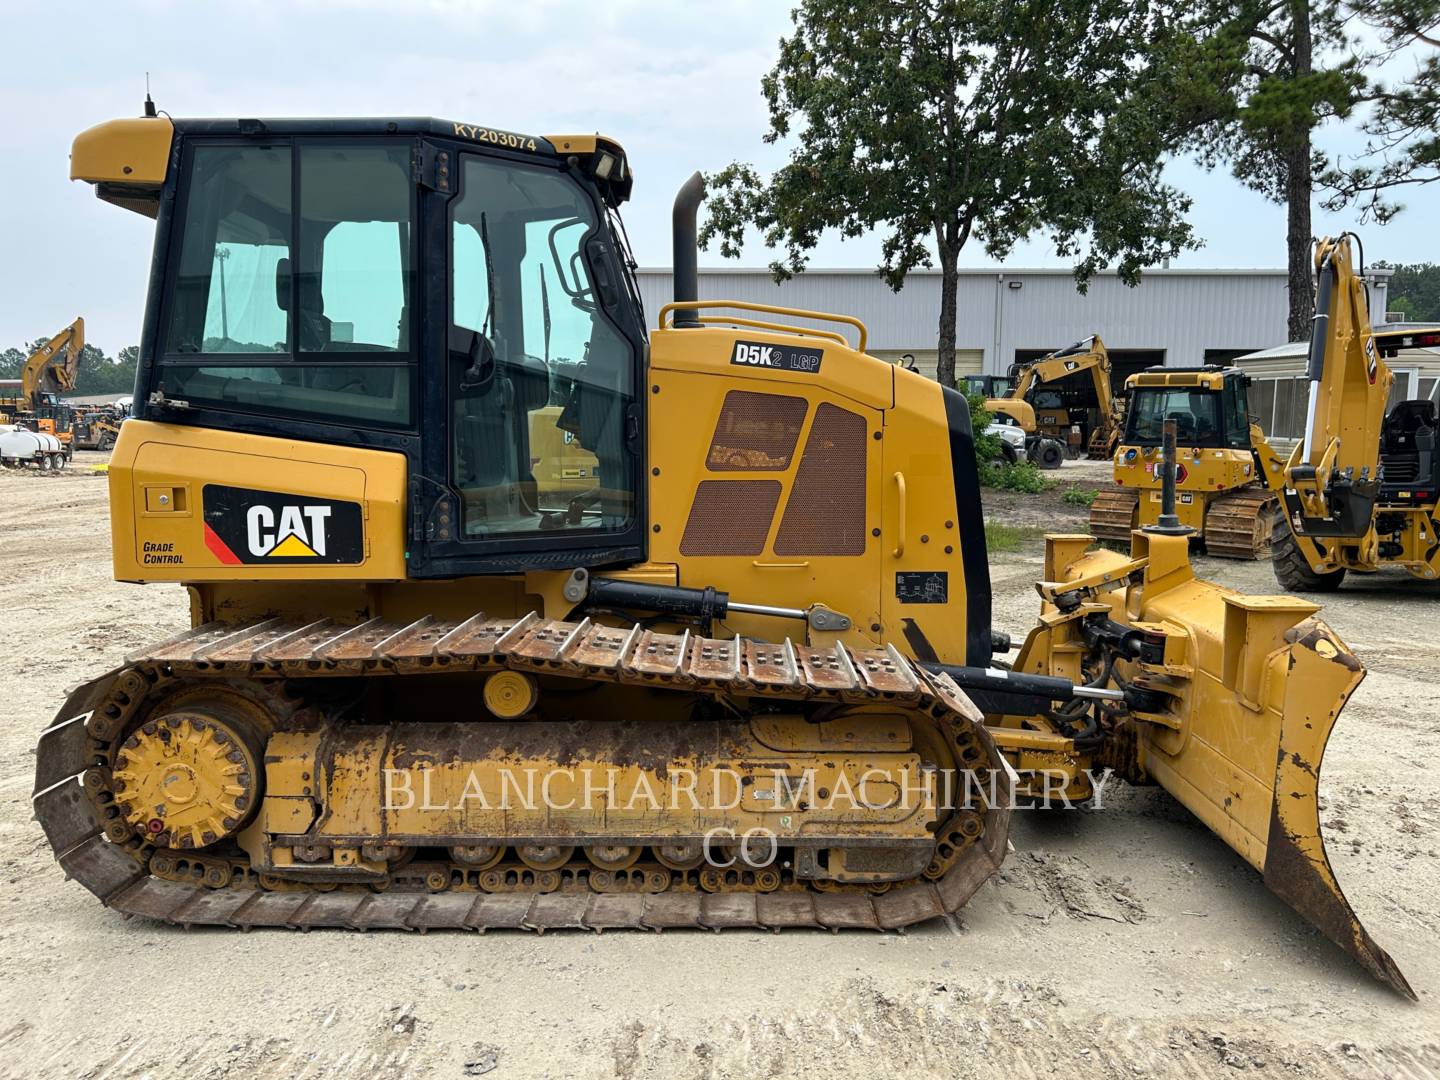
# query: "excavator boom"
[[1089, 355], [1361, 491], [51, 369]]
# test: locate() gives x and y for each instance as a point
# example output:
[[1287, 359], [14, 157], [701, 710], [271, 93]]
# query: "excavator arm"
[[1333, 477], [51, 369], [1089, 355]]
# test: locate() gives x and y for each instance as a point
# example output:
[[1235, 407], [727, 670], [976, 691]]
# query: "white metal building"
[[1279, 391], [1174, 317]]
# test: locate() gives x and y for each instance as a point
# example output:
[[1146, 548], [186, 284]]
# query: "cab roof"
[[1210, 377], [128, 160]]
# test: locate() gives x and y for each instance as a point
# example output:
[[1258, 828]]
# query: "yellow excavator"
[[1032, 398], [1361, 491], [1049, 386], [746, 678], [48, 372]]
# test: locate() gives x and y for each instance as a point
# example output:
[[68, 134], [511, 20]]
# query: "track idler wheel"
[[679, 857], [478, 856]]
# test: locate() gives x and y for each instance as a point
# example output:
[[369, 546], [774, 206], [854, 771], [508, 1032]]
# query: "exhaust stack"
[[685, 260]]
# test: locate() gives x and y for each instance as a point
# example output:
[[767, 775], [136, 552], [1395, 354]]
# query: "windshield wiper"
[[621, 239], [488, 325], [545, 306]]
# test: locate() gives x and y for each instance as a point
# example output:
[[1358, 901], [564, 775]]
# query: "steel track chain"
[[1238, 524], [96, 847]]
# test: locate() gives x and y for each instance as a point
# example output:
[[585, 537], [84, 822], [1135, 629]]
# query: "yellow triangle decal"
[[292, 547]]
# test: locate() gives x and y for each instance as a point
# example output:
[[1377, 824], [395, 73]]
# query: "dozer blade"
[[1245, 754]]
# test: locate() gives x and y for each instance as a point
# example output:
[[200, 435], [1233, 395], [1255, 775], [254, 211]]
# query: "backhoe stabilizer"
[[1245, 691]]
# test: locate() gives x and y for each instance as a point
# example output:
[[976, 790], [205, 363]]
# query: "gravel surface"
[[1120, 942]]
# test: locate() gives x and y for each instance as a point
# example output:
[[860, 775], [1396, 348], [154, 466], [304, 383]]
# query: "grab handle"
[[899, 479]]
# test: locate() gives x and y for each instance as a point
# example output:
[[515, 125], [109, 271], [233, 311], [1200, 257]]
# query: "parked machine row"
[[1360, 491]]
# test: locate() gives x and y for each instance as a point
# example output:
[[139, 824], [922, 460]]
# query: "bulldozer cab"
[[462, 299], [1209, 406]]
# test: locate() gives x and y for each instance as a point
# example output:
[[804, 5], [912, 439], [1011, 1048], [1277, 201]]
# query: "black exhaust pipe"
[[686, 255]]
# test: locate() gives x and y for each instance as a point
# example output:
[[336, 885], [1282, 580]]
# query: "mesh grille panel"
[[730, 517], [756, 432], [826, 511]]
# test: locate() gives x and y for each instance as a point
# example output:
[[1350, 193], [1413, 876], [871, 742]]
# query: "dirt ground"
[[1048, 510], [1119, 942]]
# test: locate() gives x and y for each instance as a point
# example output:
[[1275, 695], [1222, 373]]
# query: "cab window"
[[1196, 413], [303, 314], [540, 380], [236, 236], [1237, 414]]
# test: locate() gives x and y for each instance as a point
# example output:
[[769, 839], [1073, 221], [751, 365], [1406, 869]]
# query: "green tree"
[[942, 121], [92, 375], [109, 376], [1264, 76], [1415, 290], [11, 361], [1404, 119]]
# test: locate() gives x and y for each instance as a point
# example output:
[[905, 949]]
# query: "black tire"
[[1049, 454], [107, 441], [1007, 454], [1292, 569]]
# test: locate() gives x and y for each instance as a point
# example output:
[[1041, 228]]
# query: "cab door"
[[532, 456]]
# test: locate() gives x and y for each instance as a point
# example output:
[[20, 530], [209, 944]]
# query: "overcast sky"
[[677, 83]]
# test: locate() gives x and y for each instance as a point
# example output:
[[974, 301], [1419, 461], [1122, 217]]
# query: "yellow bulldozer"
[[747, 677], [1227, 471]]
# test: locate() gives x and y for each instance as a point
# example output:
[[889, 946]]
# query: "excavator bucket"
[[1241, 707]]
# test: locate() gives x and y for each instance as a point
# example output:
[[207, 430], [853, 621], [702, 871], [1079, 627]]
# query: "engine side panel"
[[199, 504]]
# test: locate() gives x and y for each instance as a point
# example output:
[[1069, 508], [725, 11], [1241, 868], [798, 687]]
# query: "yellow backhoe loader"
[[1361, 491], [746, 678], [1228, 474], [48, 372]]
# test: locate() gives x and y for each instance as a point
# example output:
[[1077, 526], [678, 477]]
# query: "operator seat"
[[1407, 445], [1184, 425]]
